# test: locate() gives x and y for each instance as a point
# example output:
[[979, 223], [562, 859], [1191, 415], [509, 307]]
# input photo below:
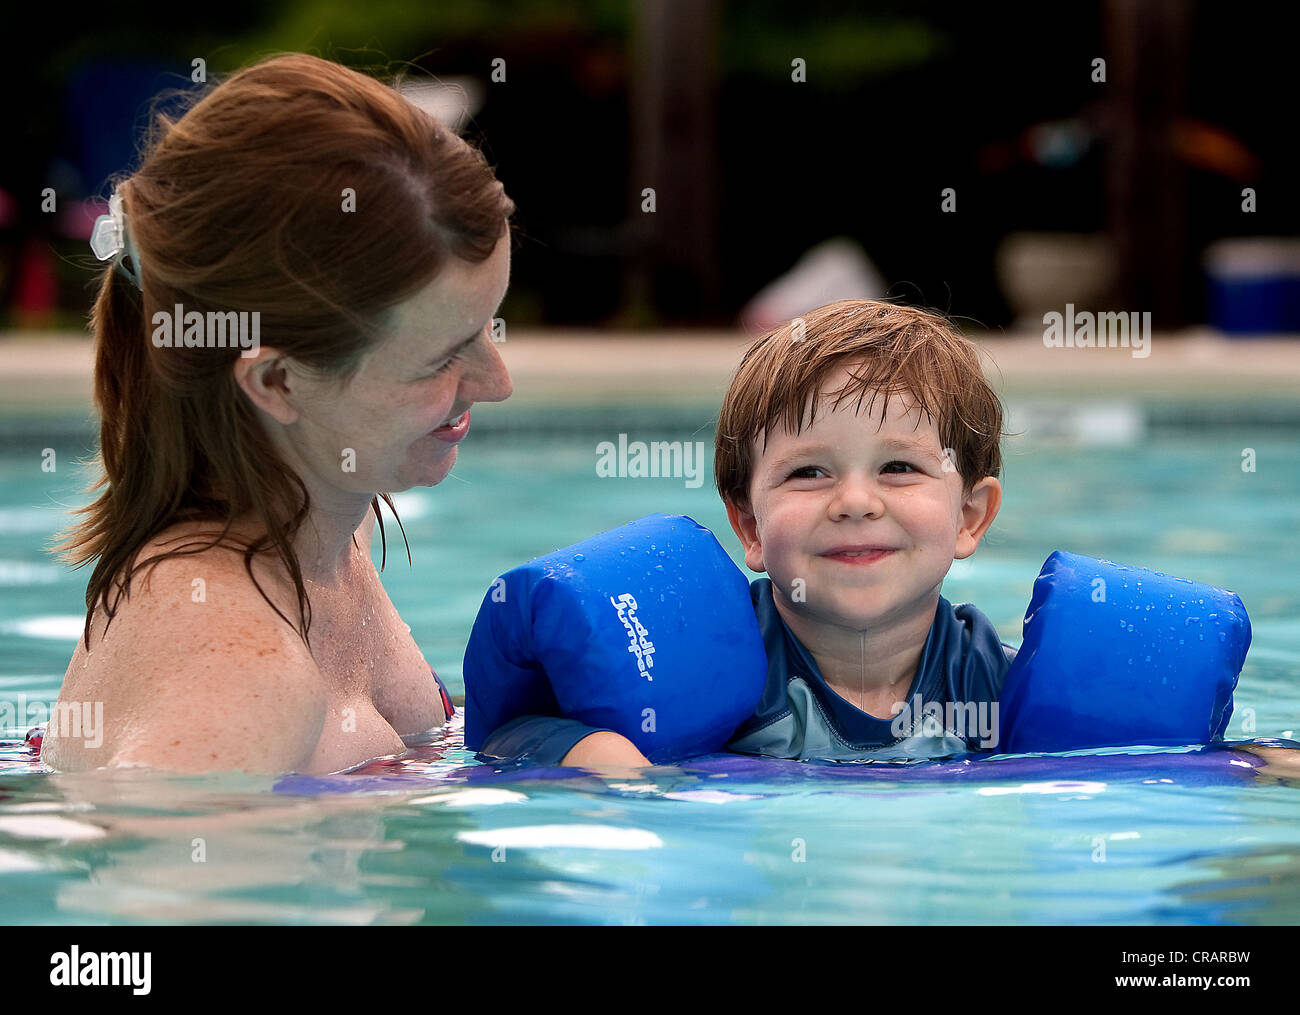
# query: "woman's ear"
[[268, 380], [978, 510]]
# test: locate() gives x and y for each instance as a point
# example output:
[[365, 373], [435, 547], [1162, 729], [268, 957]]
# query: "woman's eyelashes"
[[451, 360], [446, 364], [461, 352]]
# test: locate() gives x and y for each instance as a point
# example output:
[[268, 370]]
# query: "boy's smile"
[[857, 520]]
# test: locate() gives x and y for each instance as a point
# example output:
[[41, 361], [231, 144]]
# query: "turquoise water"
[[437, 838]]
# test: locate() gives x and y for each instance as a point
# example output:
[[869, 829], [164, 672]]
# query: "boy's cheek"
[[781, 544]]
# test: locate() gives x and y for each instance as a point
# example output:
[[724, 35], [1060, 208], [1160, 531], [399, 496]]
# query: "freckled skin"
[[386, 411], [226, 683]]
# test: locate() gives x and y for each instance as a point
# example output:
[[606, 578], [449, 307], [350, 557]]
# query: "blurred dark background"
[[1109, 192]]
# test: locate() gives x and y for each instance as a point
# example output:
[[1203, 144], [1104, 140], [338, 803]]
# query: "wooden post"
[[673, 94], [1146, 63]]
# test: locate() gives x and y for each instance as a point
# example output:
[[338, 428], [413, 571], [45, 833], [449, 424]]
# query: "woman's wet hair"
[[314, 195]]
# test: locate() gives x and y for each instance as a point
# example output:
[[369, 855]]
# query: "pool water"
[[1146, 837]]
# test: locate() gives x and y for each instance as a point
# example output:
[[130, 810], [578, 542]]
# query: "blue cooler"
[[1254, 285]]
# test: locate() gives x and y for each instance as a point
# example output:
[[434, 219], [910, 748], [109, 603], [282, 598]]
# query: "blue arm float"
[[1119, 656], [647, 629]]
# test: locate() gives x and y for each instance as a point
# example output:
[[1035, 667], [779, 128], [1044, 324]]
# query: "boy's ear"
[[745, 526], [978, 510]]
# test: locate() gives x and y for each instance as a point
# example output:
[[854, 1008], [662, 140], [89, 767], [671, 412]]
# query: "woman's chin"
[[431, 473]]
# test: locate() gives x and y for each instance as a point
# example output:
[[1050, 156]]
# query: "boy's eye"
[[897, 466], [805, 471]]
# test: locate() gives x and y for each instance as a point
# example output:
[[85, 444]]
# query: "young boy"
[[857, 453]]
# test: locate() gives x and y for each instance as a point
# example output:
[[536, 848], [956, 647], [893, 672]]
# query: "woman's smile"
[[455, 431]]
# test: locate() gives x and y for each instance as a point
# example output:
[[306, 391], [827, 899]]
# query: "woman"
[[234, 616]]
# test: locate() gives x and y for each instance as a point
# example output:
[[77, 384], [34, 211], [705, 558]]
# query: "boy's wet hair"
[[892, 350]]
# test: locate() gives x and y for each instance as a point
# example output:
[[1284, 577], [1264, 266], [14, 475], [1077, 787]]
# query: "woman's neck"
[[325, 543]]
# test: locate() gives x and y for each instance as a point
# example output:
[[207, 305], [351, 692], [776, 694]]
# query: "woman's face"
[[387, 427]]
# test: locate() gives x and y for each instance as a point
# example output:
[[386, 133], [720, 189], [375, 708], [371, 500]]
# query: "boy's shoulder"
[[977, 625]]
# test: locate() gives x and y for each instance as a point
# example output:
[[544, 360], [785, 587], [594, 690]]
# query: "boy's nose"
[[856, 498]]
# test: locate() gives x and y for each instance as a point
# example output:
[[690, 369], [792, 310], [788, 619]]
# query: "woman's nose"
[[489, 381]]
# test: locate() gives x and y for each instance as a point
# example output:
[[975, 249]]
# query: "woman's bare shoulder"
[[207, 597], [197, 670]]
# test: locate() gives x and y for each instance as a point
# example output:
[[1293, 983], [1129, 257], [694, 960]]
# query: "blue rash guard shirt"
[[950, 707]]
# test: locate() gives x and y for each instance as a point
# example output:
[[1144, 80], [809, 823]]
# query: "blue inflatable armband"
[[1119, 656], [647, 629]]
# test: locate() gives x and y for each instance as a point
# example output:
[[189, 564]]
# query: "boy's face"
[[868, 512]]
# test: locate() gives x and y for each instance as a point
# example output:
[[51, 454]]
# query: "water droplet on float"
[[660, 569], [1148, 658], [1223, 636], [579, 557], [1130, 628]]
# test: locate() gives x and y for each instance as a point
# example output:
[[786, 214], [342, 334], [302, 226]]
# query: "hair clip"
[[109, 238]]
